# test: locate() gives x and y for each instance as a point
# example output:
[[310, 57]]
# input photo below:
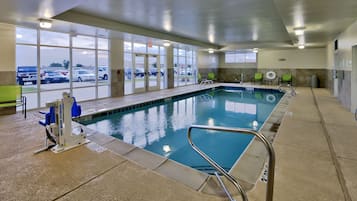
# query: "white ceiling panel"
[[226, 24]]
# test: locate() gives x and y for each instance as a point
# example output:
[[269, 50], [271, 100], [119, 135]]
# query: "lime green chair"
[[211, 76], [11, 96], [258, 77], [287, 78]]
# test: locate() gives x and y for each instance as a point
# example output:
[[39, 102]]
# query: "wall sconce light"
[[45, 24], [302, 46], [211, 51], [255, 50]]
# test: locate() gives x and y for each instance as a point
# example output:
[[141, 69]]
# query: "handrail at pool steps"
[[224, 186], [261, 137]]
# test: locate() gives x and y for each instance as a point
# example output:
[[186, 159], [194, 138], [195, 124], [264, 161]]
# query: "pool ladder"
[[267, 144]]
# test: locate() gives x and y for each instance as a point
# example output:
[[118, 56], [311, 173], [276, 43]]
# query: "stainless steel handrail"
[[223, 186], [267, 144]]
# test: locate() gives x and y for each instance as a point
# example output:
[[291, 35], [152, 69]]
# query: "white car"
[[103, 73], [83, 75]]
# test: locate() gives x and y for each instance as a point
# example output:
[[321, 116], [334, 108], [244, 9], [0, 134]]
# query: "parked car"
[[188, 72], [83, 75], [53, 77], [139, 72], [153, 71], [26, 74], [103, 73]]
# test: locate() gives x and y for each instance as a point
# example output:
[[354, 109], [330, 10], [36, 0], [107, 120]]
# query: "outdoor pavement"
[[315, 151]]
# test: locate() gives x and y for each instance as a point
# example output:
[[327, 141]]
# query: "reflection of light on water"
[[210, 122], [255, 125], [166, 148]]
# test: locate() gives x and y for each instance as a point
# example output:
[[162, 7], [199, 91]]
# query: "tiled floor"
[[315, 151]]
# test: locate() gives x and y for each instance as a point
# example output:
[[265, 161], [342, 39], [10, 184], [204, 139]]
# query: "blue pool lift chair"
[[50, 119], [76, 109]]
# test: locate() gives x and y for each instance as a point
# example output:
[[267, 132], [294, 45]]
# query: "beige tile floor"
[[315, 150]]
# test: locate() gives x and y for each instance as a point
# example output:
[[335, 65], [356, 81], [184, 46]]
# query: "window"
[[45, 80], [54, 38], [240, 57], [83, 42], [185, 70], [26, 36]]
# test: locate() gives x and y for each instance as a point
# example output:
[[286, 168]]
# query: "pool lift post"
[[59, 130]]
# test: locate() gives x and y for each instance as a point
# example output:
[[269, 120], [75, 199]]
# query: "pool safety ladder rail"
[[223, 186], [267, 144]]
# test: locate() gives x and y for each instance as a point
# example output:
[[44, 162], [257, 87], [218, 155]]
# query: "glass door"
[[155, 72], [146, 73]]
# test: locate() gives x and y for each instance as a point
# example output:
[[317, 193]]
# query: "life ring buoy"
[[270, 98], [270, 75]]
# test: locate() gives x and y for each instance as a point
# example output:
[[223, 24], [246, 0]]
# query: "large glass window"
[[83, 42], [45, 80], [26, 36], [185, 71], [240, 57], [83, 70], [54, 38]]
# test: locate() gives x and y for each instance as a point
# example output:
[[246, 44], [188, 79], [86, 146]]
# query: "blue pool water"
[[162, 127]]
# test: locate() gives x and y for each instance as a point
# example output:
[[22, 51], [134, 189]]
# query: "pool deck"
[[315, 151]]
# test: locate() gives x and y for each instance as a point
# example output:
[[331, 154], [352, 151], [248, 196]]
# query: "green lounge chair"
[[287, 78], [11, 96], [258, 77], [211, 76]]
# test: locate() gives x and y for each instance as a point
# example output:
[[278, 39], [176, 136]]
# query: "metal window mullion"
[[109, 82], [185, 67], [96, 67], [132, 67], [70, 65], [38, 69]]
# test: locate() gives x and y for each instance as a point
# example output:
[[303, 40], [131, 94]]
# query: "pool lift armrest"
[[58, 124]]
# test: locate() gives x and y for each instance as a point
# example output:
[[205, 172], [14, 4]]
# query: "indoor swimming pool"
[[161, 126]]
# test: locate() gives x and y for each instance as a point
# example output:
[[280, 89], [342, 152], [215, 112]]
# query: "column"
[[170, 67], [8, 54], [117, 67]]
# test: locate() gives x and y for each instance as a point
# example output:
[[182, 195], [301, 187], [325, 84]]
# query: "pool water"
[[162, 128]]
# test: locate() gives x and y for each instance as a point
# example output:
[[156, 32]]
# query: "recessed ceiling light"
[[299, 31], [45, 24]]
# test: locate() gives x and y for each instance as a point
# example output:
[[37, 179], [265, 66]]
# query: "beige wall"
[[330, 56], [8, 45], [343, 56], [294, 59], [206, 60]]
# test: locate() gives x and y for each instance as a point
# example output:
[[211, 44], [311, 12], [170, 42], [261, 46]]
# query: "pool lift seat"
[[58, 125]]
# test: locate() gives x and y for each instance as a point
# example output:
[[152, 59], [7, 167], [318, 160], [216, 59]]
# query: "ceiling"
[[218, 24]]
